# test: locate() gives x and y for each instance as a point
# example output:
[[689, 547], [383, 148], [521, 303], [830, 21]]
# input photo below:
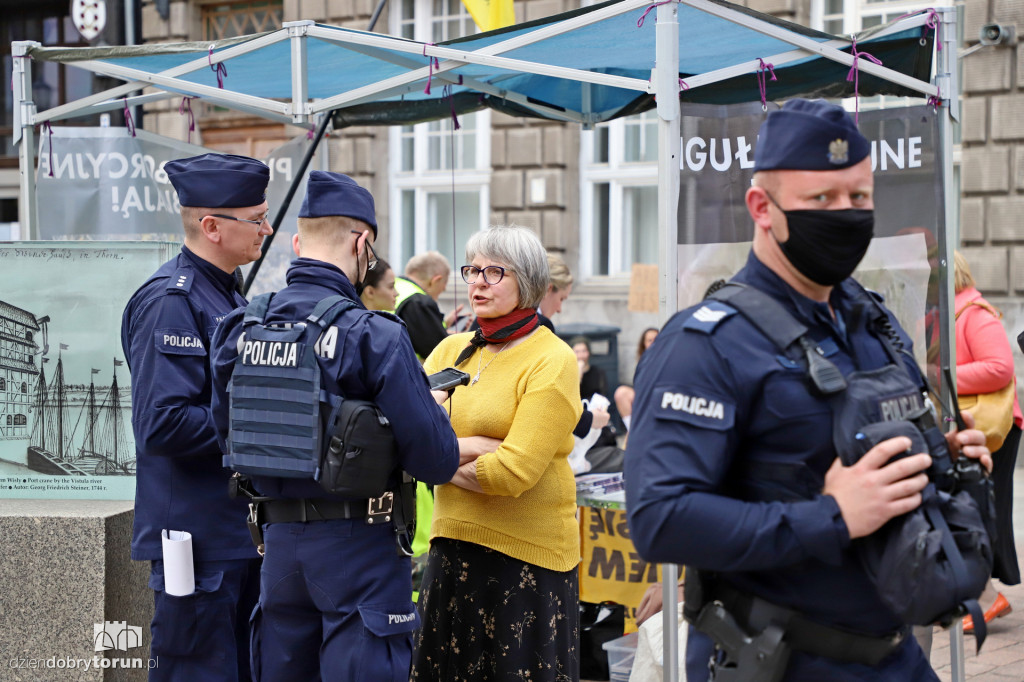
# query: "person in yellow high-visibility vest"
[[419, 289]]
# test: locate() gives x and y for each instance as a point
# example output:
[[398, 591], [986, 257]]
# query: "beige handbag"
[[992, 412]]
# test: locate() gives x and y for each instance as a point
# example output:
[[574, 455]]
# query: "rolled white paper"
[[179, 573]]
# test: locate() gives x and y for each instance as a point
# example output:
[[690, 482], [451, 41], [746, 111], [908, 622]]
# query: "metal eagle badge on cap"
[[838, 151]]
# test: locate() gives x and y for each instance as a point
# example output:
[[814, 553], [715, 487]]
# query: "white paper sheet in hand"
[[179, 573]]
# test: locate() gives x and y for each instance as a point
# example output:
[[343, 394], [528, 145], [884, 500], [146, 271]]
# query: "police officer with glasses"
[[180, 482], [731, 467], [335, 603]]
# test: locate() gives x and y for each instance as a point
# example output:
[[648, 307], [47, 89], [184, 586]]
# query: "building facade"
[[589, 194], [18, 369]]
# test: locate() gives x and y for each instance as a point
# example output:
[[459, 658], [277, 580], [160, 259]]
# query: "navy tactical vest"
[[277, 413]]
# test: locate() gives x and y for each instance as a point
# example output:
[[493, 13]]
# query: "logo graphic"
[[115, 634], [838, 151], [89, 17]]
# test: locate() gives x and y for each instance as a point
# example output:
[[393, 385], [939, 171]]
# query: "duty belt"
[[296, 511], [805, 635]]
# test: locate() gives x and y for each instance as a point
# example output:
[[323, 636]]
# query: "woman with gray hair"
[[500, 593]]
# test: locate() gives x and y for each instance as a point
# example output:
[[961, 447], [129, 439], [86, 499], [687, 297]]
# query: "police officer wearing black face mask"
[[731, 466]]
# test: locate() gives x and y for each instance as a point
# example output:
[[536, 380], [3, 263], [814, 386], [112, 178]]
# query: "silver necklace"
[[481, 359]]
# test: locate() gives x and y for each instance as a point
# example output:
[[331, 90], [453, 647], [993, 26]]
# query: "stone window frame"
[[844, 17], [419, 186], [607, 236]]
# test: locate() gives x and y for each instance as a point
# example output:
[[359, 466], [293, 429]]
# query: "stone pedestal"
[[66, 582]]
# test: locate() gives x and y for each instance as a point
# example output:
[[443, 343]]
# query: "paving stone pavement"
[[1002, 657]]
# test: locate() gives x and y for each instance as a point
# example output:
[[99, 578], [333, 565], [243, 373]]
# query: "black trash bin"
[[604, 353]]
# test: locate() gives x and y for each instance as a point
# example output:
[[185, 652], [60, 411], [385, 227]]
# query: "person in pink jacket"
[[984, 363]]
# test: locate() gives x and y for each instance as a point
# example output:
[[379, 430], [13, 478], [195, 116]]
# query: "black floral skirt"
[[487, 616]]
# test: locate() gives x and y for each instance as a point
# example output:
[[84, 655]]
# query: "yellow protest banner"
[[489, 15], [611, 569]]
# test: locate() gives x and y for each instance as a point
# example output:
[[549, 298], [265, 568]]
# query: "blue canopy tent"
[[585, 66]]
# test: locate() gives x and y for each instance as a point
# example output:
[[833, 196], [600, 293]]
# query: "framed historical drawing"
[[65, 390]]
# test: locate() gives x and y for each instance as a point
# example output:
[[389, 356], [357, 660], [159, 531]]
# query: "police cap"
[[809, 135], [219, 181], [336, 194]]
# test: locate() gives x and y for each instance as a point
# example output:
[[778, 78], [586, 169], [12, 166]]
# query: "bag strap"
[[773, 320], [256, 311], [956, 562], [763, 311], [329, 309], [981, 304]]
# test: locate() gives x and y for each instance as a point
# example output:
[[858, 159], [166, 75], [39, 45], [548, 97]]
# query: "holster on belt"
[[755, 636]]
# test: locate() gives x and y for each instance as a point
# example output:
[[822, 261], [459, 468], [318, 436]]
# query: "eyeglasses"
[[371, 263], [492, 273], [257, 223]]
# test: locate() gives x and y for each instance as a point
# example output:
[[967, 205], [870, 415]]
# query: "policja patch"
[[694, 407], [178, 342]]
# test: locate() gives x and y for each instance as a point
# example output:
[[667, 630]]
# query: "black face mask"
[[826, 246]]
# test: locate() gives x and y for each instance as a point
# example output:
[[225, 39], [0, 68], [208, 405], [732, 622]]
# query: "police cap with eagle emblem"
[[219, 181], [809, 135], [336, 194]]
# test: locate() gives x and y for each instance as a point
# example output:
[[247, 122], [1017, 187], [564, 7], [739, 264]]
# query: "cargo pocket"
[[387, 641], [186, 626]]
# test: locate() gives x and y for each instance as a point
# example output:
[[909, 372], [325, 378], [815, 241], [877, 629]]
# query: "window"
[[440, 176], [844, 17], [20, 420], [10, 420], [231, 19], [24, 387], [619, 195], [3, 384]]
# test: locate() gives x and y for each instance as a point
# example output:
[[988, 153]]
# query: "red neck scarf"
[[503, 329]]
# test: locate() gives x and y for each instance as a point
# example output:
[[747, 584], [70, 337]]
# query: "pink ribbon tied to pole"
[[854, 75], [185, 109], [128, 122], [762, 81], [220, 69]]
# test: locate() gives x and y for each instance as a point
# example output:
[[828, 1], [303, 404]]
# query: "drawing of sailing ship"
[[93, 443]]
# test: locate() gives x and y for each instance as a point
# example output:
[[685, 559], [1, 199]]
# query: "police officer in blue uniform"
[[336, 592], [731, 467], [180, 481]]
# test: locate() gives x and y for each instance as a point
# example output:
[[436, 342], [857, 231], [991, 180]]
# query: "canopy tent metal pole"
[[783, 58], [297, 32], [24, 109], [182, 87], [289, 195], [666, 80], [454, 58], [471, 84], [300, 65], [946, 80], [812, 46]]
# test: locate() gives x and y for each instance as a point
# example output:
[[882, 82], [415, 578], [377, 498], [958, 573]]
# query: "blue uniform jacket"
[[713, 395], [180, 482], [372, 360]]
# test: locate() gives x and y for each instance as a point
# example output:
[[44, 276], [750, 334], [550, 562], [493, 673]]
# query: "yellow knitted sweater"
[[528, 396]]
